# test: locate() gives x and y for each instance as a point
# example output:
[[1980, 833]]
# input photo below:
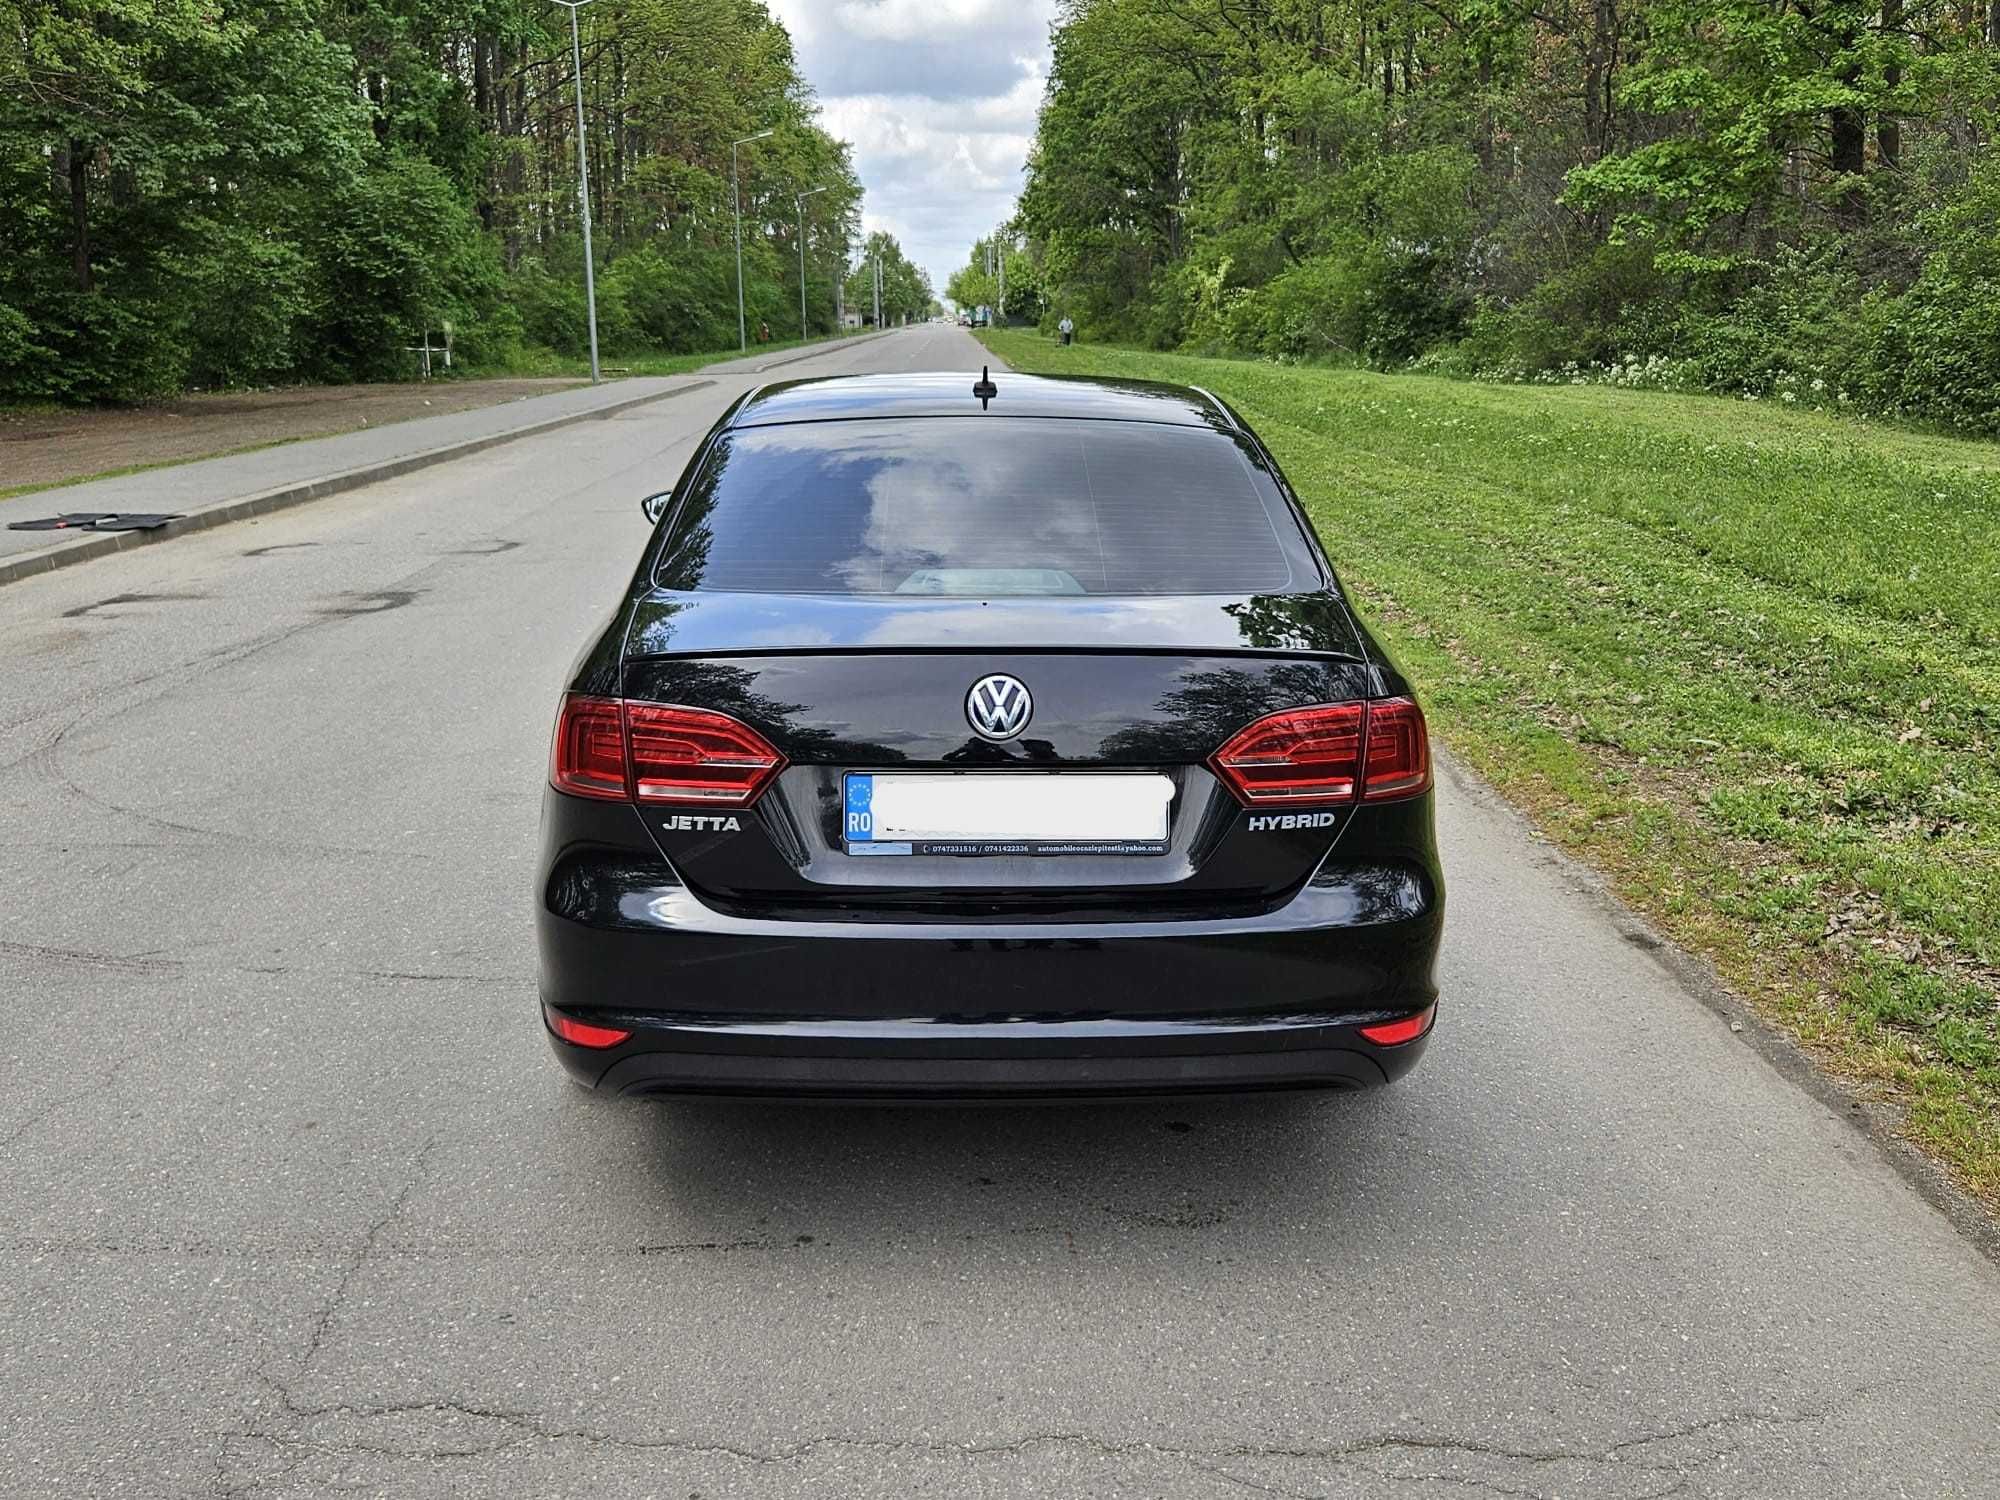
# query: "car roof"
[[846, 397]]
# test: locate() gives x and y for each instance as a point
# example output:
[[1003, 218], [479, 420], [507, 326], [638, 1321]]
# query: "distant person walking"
[[1066, 329]]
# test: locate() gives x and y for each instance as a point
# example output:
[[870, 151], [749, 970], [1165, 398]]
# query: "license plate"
[[1013, 812]]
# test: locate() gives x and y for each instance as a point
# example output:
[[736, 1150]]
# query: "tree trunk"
[[79, 212], [1600, 75], [484, 102], [482, 79], [1849, 149], [1888, 129], [513, 103], [1483, 144]]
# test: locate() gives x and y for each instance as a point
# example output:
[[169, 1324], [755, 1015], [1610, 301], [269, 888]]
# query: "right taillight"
[[1329, 753], [621, 750], [1399, 751]]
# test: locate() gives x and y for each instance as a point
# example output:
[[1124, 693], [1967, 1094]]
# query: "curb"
[[103, 544]]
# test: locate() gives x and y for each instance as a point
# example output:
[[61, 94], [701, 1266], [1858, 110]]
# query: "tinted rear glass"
[[982, 507]]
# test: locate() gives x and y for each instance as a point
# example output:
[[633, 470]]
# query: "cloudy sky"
[[938, 98]]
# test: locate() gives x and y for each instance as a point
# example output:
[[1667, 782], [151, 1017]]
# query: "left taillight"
[[1329, 753], [621, 750]]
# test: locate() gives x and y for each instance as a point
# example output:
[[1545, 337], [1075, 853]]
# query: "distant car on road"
[[997, 740]]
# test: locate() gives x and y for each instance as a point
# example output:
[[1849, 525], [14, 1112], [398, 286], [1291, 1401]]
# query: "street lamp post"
[[583, 180], [801, 203], [736, 193]]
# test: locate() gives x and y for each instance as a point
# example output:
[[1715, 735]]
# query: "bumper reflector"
[[1395, 1033], [582, 1033]]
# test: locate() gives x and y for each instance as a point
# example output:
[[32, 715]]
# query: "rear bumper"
[[718, 1003], [837, 1060]]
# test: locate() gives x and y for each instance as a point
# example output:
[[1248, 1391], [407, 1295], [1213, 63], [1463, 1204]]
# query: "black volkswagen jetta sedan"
[[969, 741]]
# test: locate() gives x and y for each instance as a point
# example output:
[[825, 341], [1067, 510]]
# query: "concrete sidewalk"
[[208, 492]]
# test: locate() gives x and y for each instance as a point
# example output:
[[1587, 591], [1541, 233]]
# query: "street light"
[[583, 180], [736, 192], [801, 203]]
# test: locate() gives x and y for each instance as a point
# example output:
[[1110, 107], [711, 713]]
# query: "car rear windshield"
[[981, 507]]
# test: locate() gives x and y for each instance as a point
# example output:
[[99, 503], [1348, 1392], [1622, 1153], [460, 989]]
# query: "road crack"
[[323, 1322], [520, 1427]]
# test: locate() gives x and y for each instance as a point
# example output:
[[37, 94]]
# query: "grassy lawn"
[[1744, 660]]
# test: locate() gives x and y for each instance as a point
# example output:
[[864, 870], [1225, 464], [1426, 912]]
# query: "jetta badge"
[[998, 707]]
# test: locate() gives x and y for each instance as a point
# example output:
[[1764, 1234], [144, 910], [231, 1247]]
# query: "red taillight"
[[1311, 757], [1408, 1029], [582, 1033], [588, 758], [1399, 751], [1302, 757], [618, 749], [692, 755]]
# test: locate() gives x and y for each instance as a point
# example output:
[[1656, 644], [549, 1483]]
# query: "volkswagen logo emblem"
[[998, 707]]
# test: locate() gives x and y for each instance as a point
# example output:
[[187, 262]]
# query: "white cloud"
[[927, 20], [939, 99]]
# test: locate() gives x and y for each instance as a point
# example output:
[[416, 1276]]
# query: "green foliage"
[[251, 299], [243, 191], [1780, 201], [101, 349], [1934, 352], [551, 306], [973, 285], [680, 304], [398, 253], [18, 348], [906, 288], [1609, 304]]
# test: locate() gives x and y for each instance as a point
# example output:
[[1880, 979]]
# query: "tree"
[[1512, 185], [141, 141], [242, 190], [906, 289]]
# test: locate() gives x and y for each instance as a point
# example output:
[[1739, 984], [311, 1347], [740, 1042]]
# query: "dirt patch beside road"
[[40, 448]]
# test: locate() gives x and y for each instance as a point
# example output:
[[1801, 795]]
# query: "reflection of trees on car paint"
[[730, 689], [1212, 704]]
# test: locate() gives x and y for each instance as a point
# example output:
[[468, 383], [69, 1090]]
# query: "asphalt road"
[[295, 1203]]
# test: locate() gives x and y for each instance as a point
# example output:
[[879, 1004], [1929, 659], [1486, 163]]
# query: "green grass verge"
[[1745, 660]]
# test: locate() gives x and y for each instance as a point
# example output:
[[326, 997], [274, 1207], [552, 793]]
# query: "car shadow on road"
[[1263, 1165]]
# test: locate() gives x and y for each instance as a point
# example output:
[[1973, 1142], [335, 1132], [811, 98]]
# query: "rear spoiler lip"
[[1002, 648], [1317, 624]]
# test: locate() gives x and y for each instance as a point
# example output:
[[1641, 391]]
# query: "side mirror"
[[655, 506]]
